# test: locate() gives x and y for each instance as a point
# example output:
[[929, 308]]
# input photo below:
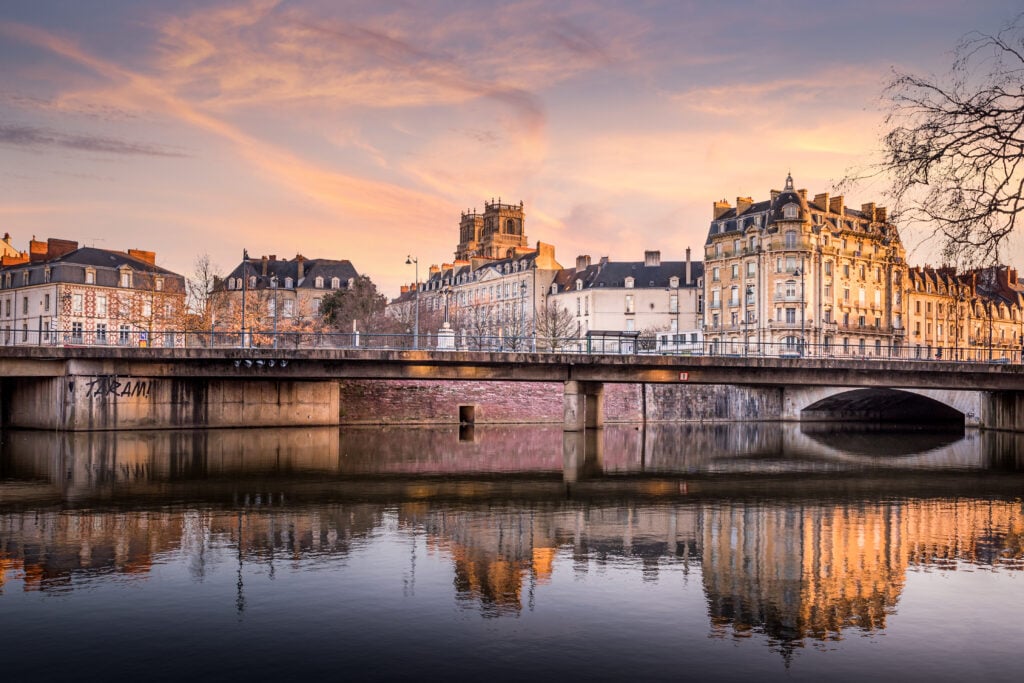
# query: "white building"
[[59, 294]]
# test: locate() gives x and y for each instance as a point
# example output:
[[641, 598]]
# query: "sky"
[[362, 130]]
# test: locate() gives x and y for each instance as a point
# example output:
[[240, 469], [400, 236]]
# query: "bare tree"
[[556, 327], [954, 147]]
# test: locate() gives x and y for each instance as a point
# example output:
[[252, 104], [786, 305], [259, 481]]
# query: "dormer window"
[[319, 282], [288, 282], [90, 276], [125, 279], [46, 274], [629, 283], [790, 211], [158, 284], [335, 283], [579, 285], [673, 282], [252, 282], [554, 288]]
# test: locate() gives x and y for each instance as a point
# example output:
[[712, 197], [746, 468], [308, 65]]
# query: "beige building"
[[792, 275], [59, 294]]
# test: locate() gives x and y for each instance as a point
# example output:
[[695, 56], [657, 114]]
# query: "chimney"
[[434, 269], [821, 201], [835, 205], [652, 259], [881, 215], [404, 289], [273, 257], [446, 266], [263, 265], [582, 262], [603, 261], [301, 260], [720, 208], [742, 204], [775, 193], [868, 210], [145, 256], [38, 251], [803, 194], [689, 271]]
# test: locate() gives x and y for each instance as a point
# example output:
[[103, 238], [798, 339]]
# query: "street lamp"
[[522, 315], [799, 272], [410, 261], [245, 281], [273, 285]]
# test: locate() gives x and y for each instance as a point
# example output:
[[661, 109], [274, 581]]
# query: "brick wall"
[[432, 402]]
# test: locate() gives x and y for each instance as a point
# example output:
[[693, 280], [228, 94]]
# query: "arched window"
[[510, 226], [319, 282], [288, 282], [335, 283], [252, 281]]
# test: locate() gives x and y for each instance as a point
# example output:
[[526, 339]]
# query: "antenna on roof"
[[93, 240]]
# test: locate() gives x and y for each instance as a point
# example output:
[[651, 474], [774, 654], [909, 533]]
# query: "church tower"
[[498, 233]]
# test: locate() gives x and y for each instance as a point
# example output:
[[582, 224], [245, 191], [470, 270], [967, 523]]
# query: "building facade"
[[59, 294], [657, 303], [278, 294], [790, 275]]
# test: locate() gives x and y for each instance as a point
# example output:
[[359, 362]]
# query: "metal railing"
[[464, 341]]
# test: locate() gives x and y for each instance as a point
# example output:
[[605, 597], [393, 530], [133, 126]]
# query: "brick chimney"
[[652, 259], [720, 208], [301, 260], [582, 262], [742, 204], [868, 210], [821, 201], [263, 265], [836, 205], [145, 256], [689, 269]]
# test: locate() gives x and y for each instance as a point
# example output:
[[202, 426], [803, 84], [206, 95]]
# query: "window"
[[828, 267], [252, 282], [46, 274], [147, 309], [860, 296], [673, 303], [24, 305], [673, 282], [846, 293], [861, 321], [846, 270], [790, 289], [790, 242], [76, 333], [46, 302], [629, 303], [734, 296], [76, 303], [90, 276], [101, 305], [828, 291], [928, 307], [288, 308], [751, 269], [790, 211], [790, 315], [579, 307], [126, 279], [288, 283], [861, 272], [630, 323], [878, 297], [24, 332], [101, 333], [123, 335], [735, 270], [715, 274], [158, 284], [917, 307], [629, 283]]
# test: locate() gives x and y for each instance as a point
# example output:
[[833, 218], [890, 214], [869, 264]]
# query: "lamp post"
[[522, 315], [245, 282], [410, 261], [273, 285]]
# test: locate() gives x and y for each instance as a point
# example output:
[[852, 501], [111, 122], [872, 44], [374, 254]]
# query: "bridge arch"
[[882, 404]]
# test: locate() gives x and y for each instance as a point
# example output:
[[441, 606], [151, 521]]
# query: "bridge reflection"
[[789, 535]]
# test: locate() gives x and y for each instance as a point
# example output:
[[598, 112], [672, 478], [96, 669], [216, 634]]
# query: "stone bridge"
[[131, 388]]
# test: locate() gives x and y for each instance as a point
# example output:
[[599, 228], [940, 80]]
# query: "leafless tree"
[[955, 146], [556, 327]]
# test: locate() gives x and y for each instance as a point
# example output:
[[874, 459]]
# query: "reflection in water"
[[510, 510]]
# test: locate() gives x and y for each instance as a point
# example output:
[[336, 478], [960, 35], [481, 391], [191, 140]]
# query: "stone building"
[[491, 293], [59, 294], [792, 275], [658, 303], [279, 293], [497, 233]]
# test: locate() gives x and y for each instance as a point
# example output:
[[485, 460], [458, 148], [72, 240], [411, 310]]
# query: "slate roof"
[[614, 274], [313, 268]]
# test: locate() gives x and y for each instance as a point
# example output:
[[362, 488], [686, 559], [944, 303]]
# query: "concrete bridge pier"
[[583, 406], [1003, 410], [582, 454]]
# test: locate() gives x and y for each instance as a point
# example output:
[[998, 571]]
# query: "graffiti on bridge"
[[111, 386]]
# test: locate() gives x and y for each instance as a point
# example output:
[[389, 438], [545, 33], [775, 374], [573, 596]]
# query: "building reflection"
[[791, 567]]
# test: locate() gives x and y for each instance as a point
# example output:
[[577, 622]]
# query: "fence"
[[265, 339]]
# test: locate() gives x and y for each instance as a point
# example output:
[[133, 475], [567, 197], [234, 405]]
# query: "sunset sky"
[[361, 130]]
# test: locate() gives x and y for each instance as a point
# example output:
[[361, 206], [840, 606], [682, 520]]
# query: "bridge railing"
[[461, 341]]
